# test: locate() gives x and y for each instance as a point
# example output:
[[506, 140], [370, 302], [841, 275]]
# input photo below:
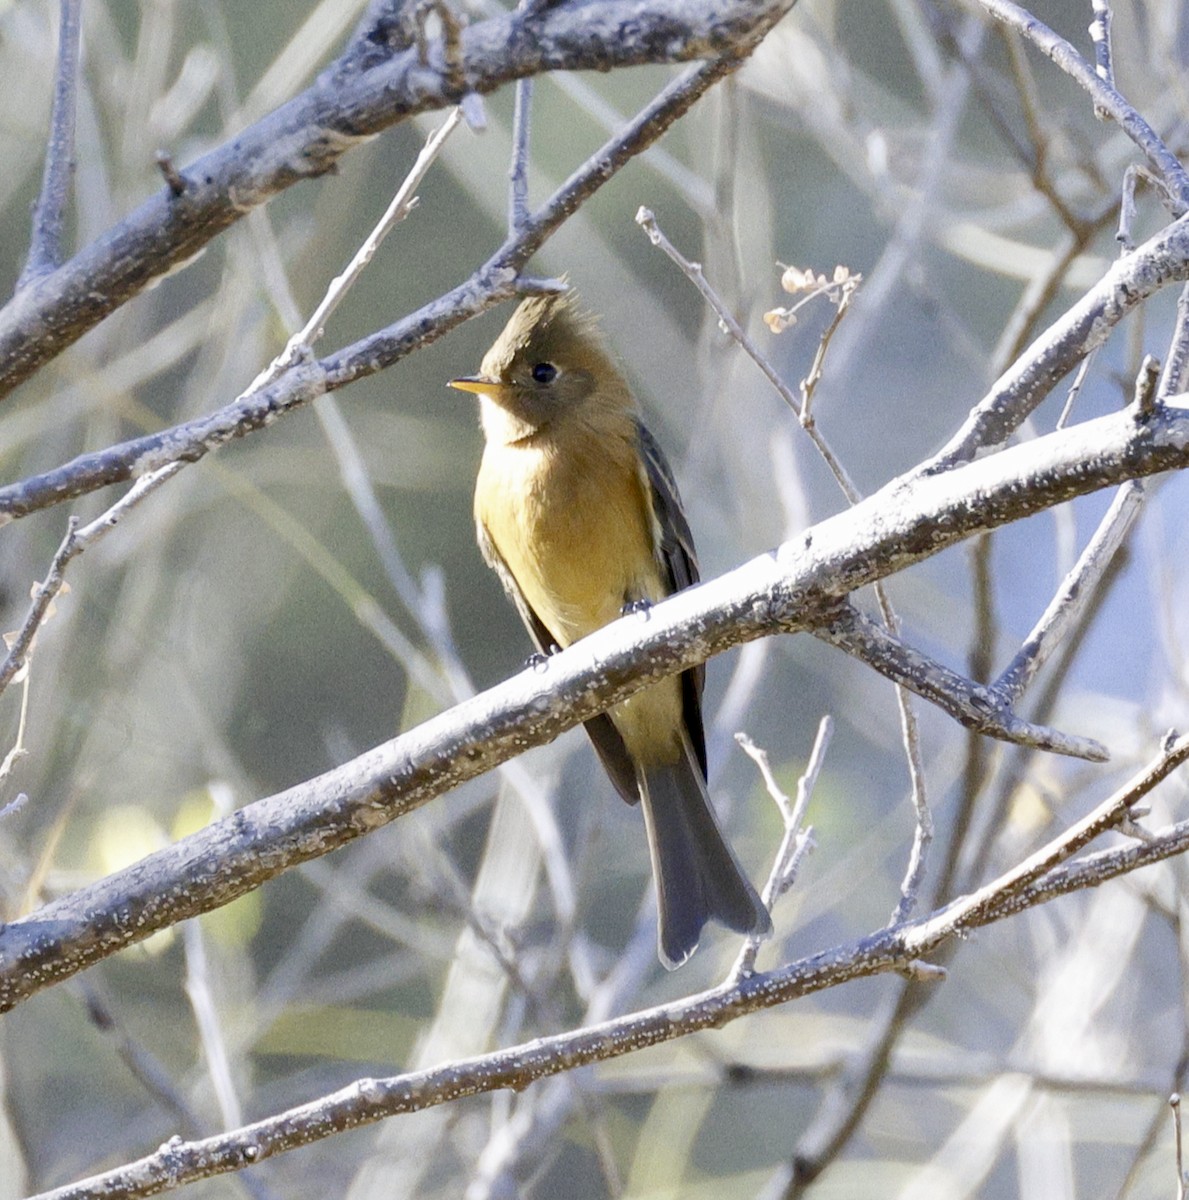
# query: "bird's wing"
[[600, 729], [680, 564]]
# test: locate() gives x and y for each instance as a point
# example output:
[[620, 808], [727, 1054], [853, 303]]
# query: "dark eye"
[[544, 372]]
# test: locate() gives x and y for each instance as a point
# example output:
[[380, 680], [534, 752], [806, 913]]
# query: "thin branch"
[[1131, 279], [73, 544], [646, 219], [1000, 896], [1100, 35], [797, 841], [1076, 591], [1176, 375], [518, 169], [1174, 1102], [401, 205], [49, 212]]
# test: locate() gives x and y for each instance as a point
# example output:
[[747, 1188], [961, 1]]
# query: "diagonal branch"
[[792, 589], [1131, 279], [977, 708], [1106, 100]]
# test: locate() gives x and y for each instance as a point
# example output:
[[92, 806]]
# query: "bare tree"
[[1006, 207]]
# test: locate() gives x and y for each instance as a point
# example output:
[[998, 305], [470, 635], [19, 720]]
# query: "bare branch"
[[1160, 261], [49, 212], [1074, 594], [496, 280], [975, 707], [367, 1100]]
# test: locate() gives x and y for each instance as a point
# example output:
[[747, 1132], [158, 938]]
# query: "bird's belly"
[[578, 540]]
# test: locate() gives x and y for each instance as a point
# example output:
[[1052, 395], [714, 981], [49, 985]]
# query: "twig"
[[73, 544], [1174, 378], [49, 212], [206, 1018], [1075, 390], [301, 343], [1132, 176], [518, 169], [1174, 1102], [810, 382], [1100, 35], [998, 897], [143, 1065], [1084, 327], [646, 219], [1075, 592], [797, 841]]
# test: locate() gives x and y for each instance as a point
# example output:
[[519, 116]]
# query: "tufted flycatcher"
[[578, 514]]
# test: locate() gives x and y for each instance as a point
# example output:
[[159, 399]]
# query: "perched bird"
[[578, 514]]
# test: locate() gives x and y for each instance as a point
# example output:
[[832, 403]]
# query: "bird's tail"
[[697, 876]]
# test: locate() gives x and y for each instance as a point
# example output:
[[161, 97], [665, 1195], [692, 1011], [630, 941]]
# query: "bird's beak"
[[479, 384]]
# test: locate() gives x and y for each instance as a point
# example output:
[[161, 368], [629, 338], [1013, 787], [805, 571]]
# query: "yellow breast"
[[573, 524]]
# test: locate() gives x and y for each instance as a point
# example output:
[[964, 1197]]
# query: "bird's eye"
[[544, 372]]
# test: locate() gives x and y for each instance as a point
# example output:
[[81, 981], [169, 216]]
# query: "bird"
[[577, 511]]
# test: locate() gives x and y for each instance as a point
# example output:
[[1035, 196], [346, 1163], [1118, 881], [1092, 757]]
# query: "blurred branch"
[[49, 211], [73, 544], [1106, 100], [793, 589], [370, 1100], [371, 87]]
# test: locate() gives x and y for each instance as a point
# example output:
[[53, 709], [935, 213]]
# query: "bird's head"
[[548, 364]]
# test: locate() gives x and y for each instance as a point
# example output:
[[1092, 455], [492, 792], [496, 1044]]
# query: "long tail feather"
[[697, 876]]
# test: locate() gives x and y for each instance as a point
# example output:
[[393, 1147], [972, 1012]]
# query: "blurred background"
[[258, 622]]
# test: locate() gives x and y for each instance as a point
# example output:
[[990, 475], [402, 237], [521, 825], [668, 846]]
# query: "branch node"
[[474, 112], [1145, 402], [919, 971], [174, 180]]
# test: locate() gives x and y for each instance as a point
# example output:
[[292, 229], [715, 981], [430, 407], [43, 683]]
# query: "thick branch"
[[369, 1100], [369, 89], [789, 590]]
